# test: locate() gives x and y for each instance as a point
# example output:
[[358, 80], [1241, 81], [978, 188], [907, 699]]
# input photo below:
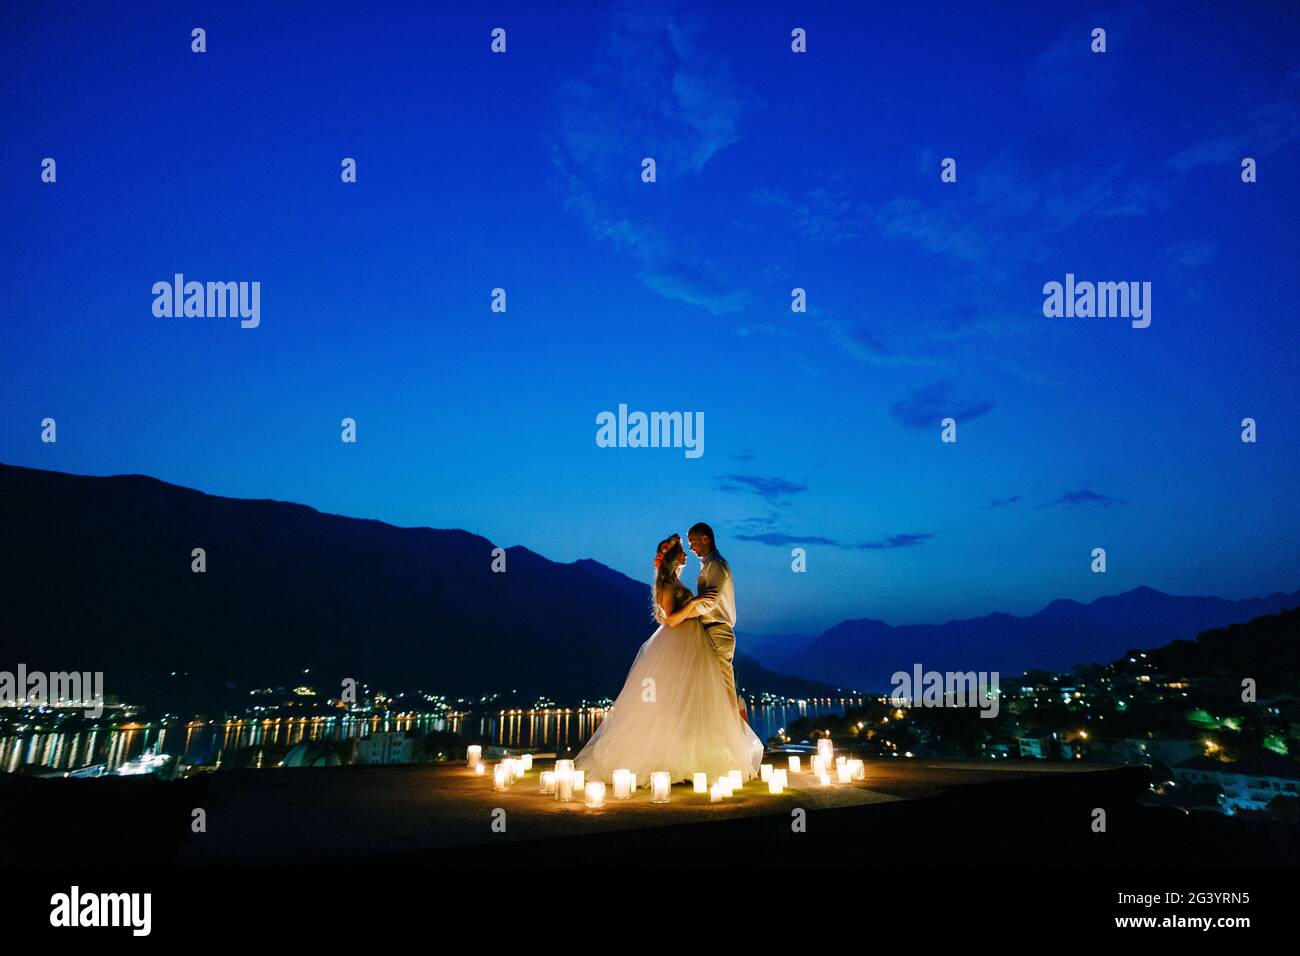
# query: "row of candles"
[[565, 780]]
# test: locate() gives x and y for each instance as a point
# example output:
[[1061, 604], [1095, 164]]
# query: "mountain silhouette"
[[96, 575], [864, 653]]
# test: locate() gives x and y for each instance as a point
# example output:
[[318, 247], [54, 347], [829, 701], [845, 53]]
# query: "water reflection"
[[257, 743]]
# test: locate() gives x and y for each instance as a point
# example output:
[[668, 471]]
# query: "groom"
[[717, 610]]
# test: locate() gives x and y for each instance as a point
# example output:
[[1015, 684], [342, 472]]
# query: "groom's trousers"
[[723, 639]]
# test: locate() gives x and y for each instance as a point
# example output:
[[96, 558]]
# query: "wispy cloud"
[[680, 105], [1260, 130], [1191, 254], [1003, 502], [927, 407], [757, 484], [895, 541], [1083, 497], [779, 540]]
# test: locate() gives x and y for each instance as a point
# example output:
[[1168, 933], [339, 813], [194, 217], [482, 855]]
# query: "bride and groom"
[[678, 710]]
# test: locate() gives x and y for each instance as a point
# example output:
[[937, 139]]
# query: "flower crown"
[[663, 548]]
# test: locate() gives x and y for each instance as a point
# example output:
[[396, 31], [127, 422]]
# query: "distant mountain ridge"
[[95, 575], [864, 653]]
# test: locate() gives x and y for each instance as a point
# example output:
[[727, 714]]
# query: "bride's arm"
[[688, 610]]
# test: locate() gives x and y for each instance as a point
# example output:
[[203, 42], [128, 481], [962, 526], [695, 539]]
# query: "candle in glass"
[[596, 794], [765, 772], [825, 750], [715, 793], [701, 783], [659, 786], [473, 755], [737, 781], [859, 770], [844, 772], [631, 781], [479, 768], [841, 760], [547, 781], [621, 782], [824, 779], [525, 763], [773, 784], [564, 780], [795, 764], [780, 775], [499, 778]]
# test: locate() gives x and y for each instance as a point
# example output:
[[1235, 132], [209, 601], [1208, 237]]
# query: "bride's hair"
[[668, 590]]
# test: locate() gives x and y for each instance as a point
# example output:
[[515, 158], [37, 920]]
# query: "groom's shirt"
[[721, 608]]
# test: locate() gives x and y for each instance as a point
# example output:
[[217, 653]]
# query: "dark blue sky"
[[775, 170]]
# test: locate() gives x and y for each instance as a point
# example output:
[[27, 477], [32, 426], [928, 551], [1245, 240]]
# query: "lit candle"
[[659, 786], [715, 793], [824, 749], [564, 780], [795, 765], [765, 772], [631, 781], [818, 765], [596, 794], [548, 781], [824, 779], [701, 783], [480, 767], [725, 785], [579, 781], [737, 781], [780, 775], [621, 784], [499, 778], [473, 755], [525, 764], [774, 784], [841, 760], [859, 770], [844, 772]]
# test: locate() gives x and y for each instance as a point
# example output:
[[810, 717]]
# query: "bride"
[[674, 712]]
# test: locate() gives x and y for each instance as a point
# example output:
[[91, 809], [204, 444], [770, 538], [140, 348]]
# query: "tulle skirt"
[[674, 713]]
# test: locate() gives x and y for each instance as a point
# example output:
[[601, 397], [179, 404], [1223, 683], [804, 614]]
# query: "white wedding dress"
[[674, 713]]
